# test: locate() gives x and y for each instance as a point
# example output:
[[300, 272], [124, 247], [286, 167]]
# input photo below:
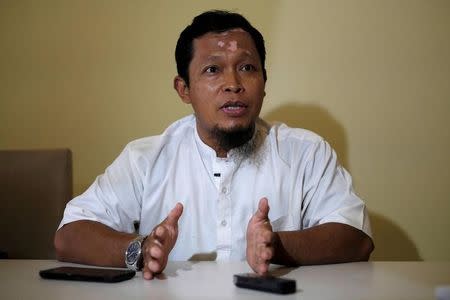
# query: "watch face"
[[133, 252]]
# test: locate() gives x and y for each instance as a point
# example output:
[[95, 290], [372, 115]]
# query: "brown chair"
[[35, 186]]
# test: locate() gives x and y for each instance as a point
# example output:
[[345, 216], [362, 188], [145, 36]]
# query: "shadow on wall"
[[391, 242], [316, 119]]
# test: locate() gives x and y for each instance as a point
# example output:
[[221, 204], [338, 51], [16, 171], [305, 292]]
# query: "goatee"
[[228, 139]]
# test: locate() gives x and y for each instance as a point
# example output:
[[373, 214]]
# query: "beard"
[[232, 138], [245, 142]]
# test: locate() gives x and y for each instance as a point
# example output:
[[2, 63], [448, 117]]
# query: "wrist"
[[280, 255], [134, 253]]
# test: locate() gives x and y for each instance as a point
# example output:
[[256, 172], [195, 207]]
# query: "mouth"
[[234, 108], [234, 105]]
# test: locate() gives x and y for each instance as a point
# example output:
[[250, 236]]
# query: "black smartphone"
[[87, 274], [265, 283]]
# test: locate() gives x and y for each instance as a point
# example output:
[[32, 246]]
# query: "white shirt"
[[294, 168]]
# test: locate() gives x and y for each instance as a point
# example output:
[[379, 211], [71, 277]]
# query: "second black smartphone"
[[265, 283]]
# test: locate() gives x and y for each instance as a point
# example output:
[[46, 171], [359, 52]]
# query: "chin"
[[236, 127]]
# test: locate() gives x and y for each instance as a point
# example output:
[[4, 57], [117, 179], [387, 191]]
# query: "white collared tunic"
[[295, 169]]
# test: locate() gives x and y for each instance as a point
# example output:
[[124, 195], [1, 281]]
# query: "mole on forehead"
[[232, 46]]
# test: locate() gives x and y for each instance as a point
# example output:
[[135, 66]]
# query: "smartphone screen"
[[87, 274]]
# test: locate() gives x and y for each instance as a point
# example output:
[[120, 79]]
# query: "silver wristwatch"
[[133, 254]]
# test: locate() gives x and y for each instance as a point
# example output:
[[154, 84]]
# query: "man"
[[222, 183]]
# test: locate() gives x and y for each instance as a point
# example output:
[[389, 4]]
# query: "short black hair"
[[216, 21]]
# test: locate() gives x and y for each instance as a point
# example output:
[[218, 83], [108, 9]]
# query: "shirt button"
[[223, 223], [224, 190]]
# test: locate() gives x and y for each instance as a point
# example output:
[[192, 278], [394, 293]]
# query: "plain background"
[[372, 77]]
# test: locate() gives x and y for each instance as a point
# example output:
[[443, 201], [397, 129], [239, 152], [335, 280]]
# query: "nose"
[[232, 83]]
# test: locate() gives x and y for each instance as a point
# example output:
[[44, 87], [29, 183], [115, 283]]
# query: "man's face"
[[226, 83]]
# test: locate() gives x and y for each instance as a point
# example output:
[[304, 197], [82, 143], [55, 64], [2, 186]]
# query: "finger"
[[157, 264], [154, 244], [264, 237], [147, 274], [152, 250], [156, 251], [175, 214], [262, 214], [262, 261], [154, 265], [160, 235], [263, 268], [155, 259], [261, 265], [262, 253], [267, 254]]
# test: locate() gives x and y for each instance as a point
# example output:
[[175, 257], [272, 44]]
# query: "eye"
[[211, 69], [248, 68]]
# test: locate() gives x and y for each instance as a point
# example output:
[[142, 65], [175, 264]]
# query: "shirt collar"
[[207, 151], [204, 149]]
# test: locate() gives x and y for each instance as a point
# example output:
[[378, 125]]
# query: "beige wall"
[[370, 76]]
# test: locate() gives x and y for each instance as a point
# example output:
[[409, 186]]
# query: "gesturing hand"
[[260, 239], [160, 242]]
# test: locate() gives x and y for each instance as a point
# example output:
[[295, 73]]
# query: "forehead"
[[220, 42]]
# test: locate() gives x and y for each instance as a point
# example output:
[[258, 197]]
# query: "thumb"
[[262, 214], [175, 214]]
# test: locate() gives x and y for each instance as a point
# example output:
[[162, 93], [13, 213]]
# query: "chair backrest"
[[35, 186]]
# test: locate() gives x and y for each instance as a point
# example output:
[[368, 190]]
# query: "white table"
[[19, 279]]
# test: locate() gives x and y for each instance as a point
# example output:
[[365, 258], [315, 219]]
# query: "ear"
[[182, 89]]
